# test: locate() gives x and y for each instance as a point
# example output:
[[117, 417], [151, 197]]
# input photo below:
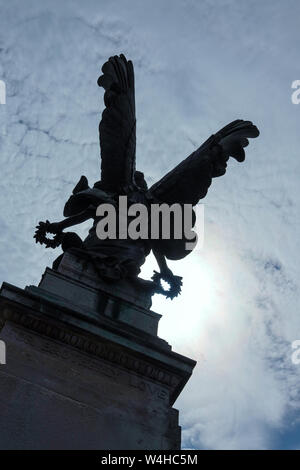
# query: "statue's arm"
[[166, 274], [72, 220], [162, 263]]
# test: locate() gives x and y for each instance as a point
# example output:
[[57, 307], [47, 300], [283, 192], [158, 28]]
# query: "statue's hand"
[[55, 227], [166, 273]]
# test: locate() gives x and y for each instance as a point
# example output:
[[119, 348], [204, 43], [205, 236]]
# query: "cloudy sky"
[[199, 64]]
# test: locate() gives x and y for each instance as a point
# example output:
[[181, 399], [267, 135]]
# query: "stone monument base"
[[80, 378]]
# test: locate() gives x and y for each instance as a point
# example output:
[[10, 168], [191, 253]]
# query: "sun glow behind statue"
[[206, 321], [188, 320]]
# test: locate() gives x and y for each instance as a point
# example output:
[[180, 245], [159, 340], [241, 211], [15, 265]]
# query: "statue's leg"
[[56, 262], [70, 240]]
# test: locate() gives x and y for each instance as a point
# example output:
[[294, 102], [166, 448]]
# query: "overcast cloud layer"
[[198, 65]]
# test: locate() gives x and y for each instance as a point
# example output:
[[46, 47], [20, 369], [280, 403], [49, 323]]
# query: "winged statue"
[[187, 183]]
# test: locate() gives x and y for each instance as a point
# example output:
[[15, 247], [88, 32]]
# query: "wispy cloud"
[[198, 66]]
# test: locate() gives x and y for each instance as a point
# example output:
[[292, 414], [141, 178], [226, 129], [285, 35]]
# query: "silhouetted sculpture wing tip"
[[189, 181], [117, 127]]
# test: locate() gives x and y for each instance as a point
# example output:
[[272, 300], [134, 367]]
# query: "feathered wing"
[[117, 128], [189, 181]]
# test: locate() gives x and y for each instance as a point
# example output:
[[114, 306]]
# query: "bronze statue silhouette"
[[187, 183]]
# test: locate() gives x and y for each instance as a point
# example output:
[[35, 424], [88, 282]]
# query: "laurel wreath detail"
[[41, 235], [175, 283]]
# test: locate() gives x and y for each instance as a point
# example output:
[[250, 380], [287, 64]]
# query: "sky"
[[198, 65]]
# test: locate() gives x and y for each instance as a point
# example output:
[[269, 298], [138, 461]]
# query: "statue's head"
[[140, 180]]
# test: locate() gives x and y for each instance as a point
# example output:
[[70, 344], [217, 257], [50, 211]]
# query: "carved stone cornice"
[[149, 357]]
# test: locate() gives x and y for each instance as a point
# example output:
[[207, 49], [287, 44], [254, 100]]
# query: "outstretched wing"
[[189, 181], [117, 128]]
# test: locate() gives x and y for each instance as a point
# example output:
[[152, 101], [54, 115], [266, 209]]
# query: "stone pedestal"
[[85, 368]]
